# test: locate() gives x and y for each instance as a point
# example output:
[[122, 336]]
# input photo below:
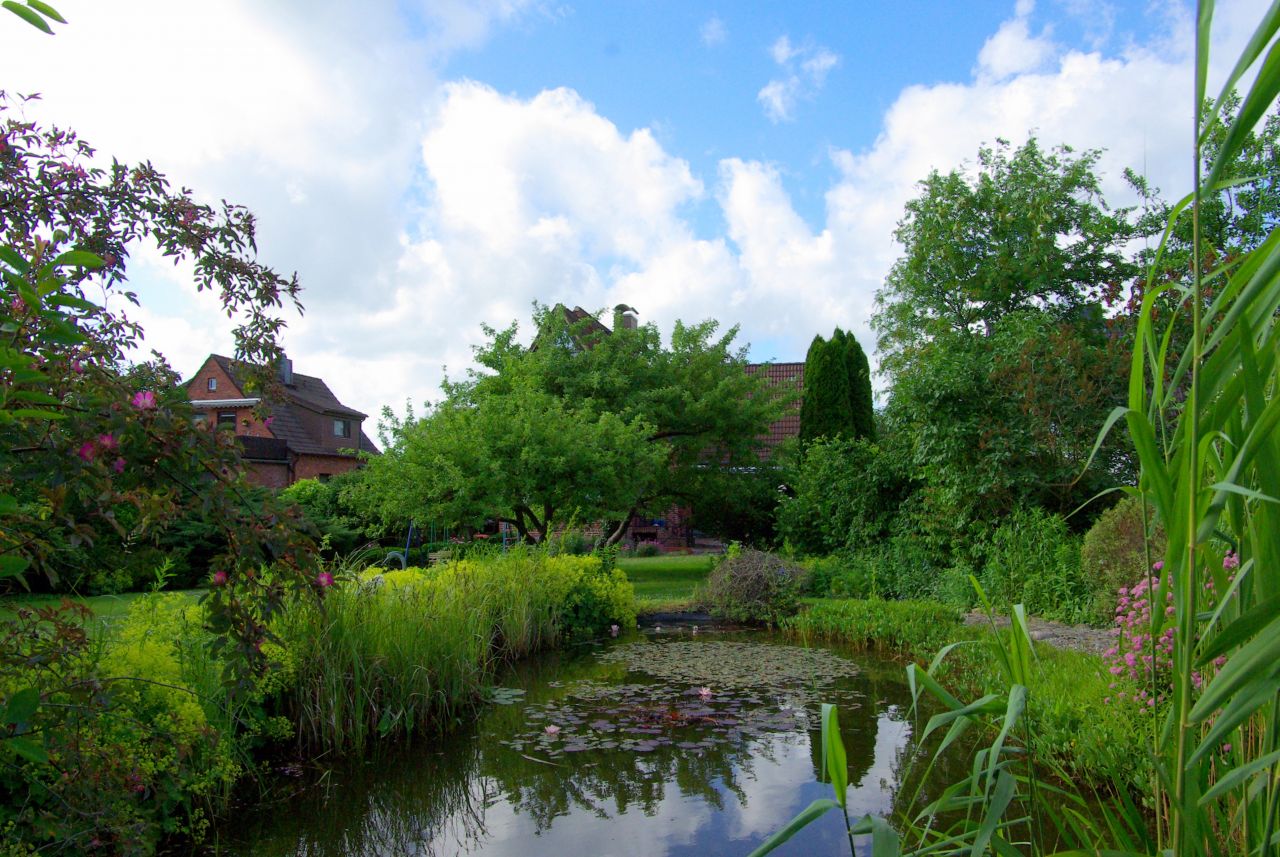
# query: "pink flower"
[[613, 630], [552, 730], [107, 442], [1231, 560], [1158, 565], [87, 451], [268, 421], [118, 465], [219, 578], [144, 400], [77, 367], [704, 692], [324, 579]]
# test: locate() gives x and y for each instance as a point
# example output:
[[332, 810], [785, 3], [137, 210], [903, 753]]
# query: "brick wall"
[[199, 387], [311, 466], [269, 475]]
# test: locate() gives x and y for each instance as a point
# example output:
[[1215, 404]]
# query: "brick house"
[[308, 435]]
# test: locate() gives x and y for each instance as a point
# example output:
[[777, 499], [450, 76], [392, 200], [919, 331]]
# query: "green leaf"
[[36, 414], [22, 706], [78, 258], [834, 753], [46, 10], [995, 808], [803, 819], [1237, 776], [1251, 661], [8, 504], [27, 748], [1242, 629], [28, 15], [12, 565], [13, 259]]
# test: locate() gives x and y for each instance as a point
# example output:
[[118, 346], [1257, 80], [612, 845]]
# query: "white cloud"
[[801, 80], [713, 32], [781, 51], [778, 97], [415, 211], [1013, 50]]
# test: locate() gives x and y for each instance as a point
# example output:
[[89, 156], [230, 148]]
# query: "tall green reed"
[[411, 650]]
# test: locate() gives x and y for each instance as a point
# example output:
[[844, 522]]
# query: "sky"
[[431, 166]]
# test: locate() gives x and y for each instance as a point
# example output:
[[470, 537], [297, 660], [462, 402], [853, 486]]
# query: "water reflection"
[[476, 794]]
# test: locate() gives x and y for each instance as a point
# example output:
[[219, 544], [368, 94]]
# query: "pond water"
[[669, 742]]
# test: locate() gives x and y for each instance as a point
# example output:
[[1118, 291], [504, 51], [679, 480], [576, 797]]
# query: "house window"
[[213, 385], [342, 428], [226, 418], [325, 477], [200, 418]]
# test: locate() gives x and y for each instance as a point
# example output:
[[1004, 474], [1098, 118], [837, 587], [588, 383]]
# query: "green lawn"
[[106, 608], [666, 583]]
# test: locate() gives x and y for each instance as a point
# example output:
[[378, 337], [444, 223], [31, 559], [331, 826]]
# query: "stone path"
[[1082, 638]]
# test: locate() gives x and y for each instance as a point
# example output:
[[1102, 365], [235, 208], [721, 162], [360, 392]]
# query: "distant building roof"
[[301, 391]]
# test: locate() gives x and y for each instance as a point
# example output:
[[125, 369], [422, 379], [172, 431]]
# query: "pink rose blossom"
[[118, 465], [87, 451], [324, 579], [219, 578], [144, 400], [107, 442]]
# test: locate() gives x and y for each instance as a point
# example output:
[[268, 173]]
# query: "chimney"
[[286, 371], [625, 317]]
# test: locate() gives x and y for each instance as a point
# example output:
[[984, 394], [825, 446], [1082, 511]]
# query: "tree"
[[837, 390], [1029, 230], [992, 328], [602, 425]]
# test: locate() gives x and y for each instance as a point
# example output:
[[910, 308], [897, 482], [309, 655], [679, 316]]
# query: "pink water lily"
[[704, 692], [552, 730]]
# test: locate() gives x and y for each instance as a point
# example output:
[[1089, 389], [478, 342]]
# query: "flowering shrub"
[[1143, 654]]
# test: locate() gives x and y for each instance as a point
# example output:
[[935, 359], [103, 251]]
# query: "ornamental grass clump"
[[754, 586]]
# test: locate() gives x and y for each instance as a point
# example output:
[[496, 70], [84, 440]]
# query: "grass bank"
[[666, 584], [1076, 726]]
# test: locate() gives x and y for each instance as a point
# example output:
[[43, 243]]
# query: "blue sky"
[[427, 167]]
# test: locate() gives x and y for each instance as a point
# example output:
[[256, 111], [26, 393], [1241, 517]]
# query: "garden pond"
[[672, 741]]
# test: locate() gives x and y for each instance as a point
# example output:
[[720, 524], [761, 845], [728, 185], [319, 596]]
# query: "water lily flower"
[[552, 730], [704, 692], [613, 630]]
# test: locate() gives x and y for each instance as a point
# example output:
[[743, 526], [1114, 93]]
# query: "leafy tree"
[[992, 328], [846, 493], [601, 425], [1028, 230]]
